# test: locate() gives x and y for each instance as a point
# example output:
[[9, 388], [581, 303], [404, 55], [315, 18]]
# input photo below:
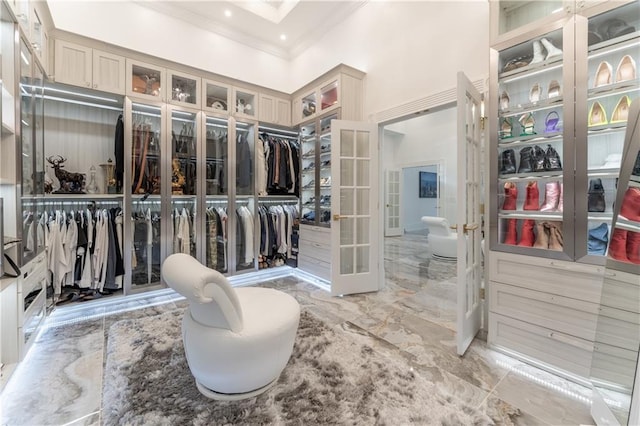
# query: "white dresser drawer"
[[316, 234], [575, 317], [558, 349], [614, 364], [316, 250], [572, 280], [315, 267], [621, 290]]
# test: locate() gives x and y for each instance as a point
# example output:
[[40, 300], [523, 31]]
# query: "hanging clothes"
[[281, 164]]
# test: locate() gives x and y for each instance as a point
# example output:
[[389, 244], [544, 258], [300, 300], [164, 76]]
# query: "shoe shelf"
[[607, 129], [606, 173], [622, 42], [540, 105], [528, 70], [606, 216], [530, 140], [530, 214], [622, 87], [554, 175]]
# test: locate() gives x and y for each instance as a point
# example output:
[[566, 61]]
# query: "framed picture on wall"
[[428, 185]]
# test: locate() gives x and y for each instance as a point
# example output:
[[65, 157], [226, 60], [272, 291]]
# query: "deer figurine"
[[70, 183]]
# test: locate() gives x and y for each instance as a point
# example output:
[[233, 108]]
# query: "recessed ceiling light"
[[283, 37], [227, 13]]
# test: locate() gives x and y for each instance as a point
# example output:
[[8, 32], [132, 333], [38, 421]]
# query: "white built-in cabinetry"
[[274, 110], [86, 67]]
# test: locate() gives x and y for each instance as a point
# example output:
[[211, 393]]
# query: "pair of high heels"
[[626, 71], [598, 116], [535, 94], [528, 122]]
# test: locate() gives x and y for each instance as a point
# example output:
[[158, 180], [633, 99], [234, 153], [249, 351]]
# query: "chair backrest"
[[214, 302], [437, 225]]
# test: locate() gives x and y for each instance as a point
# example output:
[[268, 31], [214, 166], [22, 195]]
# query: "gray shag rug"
[[332, 378]]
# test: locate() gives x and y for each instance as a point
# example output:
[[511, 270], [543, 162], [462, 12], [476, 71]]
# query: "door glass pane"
[[329, 95], [309, 105], [362, 175], [245, 103], [308, 137], [146, 201], [245, 146], [26, 120], [612, 84], [346, 201], [146, 81], [346, 143], [362, 201], [346, 231], [245, 253], [346, 260], [362, 231], [346, 172], [362, 259], [217, 177], [216, 234], [183, 181], [516, 13], [217, 97], [362, 144], [184, 89]]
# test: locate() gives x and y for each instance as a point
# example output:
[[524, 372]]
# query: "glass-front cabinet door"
[[308, 137], [146, 199], [28, 161], [244, 148], [145, 81], [512, 16], [216, 233], [534, 144], [215, 97], [324, 170], [329, 95], [609, 46], [184, 181], [185, 89]]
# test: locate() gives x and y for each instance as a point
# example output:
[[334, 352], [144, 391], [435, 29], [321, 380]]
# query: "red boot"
[[532, 202], [633, 247], [618, 245], [631, 204], [510, 196], [512, 232], [527, 237]]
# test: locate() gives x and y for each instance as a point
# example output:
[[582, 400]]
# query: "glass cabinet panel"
[[246, 103], [308, 137], [308, 105], [184, 89], [146, 206], [329, 95], [184, 181], [324, 169], [216, 96], [146, 80], [612, 83], [531, 121], [37, 34], [217, 177], [515, 14], [245, 205], [27, 134]]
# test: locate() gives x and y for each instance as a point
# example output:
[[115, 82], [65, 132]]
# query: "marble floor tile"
[[504, 414], [548, 397]]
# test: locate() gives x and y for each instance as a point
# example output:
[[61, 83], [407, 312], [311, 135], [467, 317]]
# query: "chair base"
[[444, 258], [211, 394]]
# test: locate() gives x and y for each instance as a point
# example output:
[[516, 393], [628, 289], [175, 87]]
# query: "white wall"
[[428, 139], [408, 49], [138, 28], [414, 207]]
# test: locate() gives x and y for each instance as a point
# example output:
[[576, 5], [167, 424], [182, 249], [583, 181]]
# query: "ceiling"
[[260, 23]]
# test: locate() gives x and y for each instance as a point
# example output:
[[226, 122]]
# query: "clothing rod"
[[83, 103], [278, 201], [217, 125], [266, 129], [148, 114]]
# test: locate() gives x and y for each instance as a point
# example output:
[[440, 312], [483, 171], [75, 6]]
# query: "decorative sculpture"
[[70, 182]]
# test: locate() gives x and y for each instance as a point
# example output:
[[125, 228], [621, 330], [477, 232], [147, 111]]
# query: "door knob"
[[338, 217], [471, 227]]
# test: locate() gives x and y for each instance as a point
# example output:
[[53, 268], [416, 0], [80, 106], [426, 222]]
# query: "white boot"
[[552, 51], [537, 53]]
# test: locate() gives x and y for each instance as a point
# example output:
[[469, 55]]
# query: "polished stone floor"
[[413, 316]]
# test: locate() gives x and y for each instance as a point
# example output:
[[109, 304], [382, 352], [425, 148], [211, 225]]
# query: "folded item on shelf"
[[612, 161], [598, 240]]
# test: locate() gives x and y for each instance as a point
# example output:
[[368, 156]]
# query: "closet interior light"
[[82, 95]]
